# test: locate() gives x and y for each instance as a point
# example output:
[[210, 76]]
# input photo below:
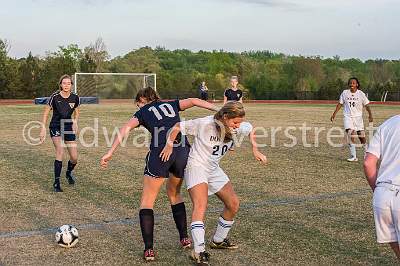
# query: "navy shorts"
[[56, 132], [176, 164]]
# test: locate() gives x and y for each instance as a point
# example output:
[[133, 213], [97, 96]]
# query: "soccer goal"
[[92, 87]]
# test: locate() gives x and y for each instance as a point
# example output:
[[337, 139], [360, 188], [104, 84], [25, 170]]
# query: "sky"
[[365, 29]]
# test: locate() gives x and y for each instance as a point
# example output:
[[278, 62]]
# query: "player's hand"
[[259, 156], [166, 152], [370, 119], [105, 159], [42, 134], [332, 118]]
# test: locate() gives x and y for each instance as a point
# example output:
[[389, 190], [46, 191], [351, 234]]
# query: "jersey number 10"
[[165, 108]]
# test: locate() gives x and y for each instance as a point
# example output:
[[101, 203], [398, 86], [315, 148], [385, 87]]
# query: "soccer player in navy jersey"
[[233, 93], [62, 127], [159, 117]]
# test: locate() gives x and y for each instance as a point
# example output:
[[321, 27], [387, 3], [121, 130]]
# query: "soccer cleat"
[[149, 255], [202, 258], [186, 243], [352, 159], [71, 178], [57, 186], [226, 244]]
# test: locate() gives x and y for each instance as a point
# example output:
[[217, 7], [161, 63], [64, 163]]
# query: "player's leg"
[[178, 162], [59, 149], [199, 196], [359, 127], [225, 222], [352, 136], [178, 208], [73, 160], [350, 127], [151, 188]]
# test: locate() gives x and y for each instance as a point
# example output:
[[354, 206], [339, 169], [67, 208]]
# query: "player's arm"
[[123, 132], [370, 118], [257, 154], [338, 106], [75, 120], [46, 112], [371, 169], [190, 102], [169, 146]]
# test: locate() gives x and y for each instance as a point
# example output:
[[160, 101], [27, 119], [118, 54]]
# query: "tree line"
[[262, 74]]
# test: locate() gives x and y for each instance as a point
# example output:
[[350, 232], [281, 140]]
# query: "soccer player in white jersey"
[[385, 183], [203, 175], [353, 100]]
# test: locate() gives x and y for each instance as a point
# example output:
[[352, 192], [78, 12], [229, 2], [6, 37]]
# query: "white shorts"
[[197, 174], [386, 203], [354, 123]]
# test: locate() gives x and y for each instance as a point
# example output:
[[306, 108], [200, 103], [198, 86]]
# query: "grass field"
[[307, 206]]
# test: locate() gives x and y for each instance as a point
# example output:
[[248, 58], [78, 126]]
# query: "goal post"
[[92, 87]]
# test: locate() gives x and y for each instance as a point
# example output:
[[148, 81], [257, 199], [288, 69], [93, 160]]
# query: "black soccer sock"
[[179, 213], [146, 217], [71, 167], [57, 169]]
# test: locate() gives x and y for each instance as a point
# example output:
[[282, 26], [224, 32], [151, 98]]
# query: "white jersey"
[[386, 146], [353, 103], [208, 148]]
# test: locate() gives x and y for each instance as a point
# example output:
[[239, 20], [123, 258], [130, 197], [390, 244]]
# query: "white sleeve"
[[341, 98], [374, 146], [244, 129], [365, 99], [190, 127]]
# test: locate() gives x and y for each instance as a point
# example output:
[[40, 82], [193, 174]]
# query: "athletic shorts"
[[57, 132], [386, 204], [176, 164], [354, 123], [196, 174]]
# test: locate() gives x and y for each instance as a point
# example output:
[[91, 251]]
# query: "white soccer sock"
[[198, 232], [222, 231], [353, 152]]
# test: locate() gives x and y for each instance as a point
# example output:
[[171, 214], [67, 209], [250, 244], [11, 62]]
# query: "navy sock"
[[146, 217], [71, 167], [57, 169], [179, 214]]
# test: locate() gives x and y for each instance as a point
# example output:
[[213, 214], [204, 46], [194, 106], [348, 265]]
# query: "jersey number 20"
[[224, 149], [165, 108]]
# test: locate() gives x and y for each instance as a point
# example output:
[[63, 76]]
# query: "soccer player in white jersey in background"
[[385, 183], [353, 100], [203, 175]]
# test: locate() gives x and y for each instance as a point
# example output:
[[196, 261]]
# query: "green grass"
[[306, 206]]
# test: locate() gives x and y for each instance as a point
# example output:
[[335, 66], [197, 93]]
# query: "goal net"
[[95, 86]]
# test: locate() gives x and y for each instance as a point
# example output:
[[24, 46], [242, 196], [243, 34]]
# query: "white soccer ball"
[[67, 236]]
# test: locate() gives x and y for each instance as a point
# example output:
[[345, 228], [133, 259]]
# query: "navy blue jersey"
[[233, 95], [62, 108], [158, 118]]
